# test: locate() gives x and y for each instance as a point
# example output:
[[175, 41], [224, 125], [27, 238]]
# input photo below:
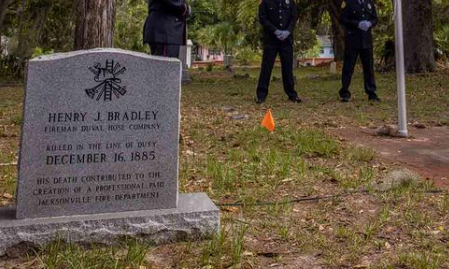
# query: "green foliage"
[[308, 46], [204, 13], [442, 41], [210, 67], [384, 31], [223, 35], [130, 19], [37, 27], [58, 30], [247, 18], [40, 51], [441, 34], [47, 25], [247, 56]]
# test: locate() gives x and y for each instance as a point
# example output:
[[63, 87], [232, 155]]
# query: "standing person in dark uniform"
[[165, 27], [358, 17], [278, 18]]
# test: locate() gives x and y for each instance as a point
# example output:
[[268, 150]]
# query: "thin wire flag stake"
[[400, 70]]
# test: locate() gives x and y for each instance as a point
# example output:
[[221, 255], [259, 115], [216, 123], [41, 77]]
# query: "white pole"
[[400, 72]]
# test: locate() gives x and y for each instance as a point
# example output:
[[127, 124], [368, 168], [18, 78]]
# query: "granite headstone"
[[101, 135]]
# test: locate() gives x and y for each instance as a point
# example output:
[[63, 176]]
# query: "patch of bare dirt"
[[426, 151]]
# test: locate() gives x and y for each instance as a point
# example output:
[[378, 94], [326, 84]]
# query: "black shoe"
[[344, 99], [295, 100], [374, 98], [260, 101]]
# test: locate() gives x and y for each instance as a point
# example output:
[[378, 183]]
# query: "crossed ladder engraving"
[[109, 81]]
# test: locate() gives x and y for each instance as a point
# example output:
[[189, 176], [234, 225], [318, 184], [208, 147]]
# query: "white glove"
[[365, 25], [284, 35]]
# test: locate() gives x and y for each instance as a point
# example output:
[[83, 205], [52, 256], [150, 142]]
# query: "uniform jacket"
[[352, 14], [166, 22], [277, 15]]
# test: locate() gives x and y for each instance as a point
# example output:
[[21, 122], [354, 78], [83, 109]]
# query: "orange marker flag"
[[268, 121]]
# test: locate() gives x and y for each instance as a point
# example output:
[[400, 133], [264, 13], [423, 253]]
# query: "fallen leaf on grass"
[[7, 196], [436, 232], [387, 245], [248, 253], [8, 164], [231, 209]]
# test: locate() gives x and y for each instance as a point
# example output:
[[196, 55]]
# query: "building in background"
[[325, 53], [203, 56]]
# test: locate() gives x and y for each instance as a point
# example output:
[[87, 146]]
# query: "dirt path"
[[426, 152]]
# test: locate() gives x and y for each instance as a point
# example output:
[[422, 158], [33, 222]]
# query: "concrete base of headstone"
[[195, 218]]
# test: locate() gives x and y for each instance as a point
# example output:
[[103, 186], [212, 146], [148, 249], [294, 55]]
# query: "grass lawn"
[[255, 175]]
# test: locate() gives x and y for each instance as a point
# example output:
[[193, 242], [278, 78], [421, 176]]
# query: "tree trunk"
[[3, 9], [338, 35], [94, 24], [418, 36]]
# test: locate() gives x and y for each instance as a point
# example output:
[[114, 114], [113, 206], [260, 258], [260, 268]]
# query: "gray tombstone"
[[185, 76], [101, 136], [333, 68]]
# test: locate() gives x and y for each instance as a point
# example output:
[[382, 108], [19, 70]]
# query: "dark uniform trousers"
[[285, 51], [358, 43], [165, 50], [351, 56], [277, 15]]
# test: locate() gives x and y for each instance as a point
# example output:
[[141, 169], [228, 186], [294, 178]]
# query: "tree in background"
[[23, 23], [204, 14], [4, 4], [94, 25], [418, 36], [37, 27], [222, 35], [338, 35]]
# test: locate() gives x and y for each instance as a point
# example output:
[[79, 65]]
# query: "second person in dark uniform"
[[165, 27], [278, 18], [358, 17]]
